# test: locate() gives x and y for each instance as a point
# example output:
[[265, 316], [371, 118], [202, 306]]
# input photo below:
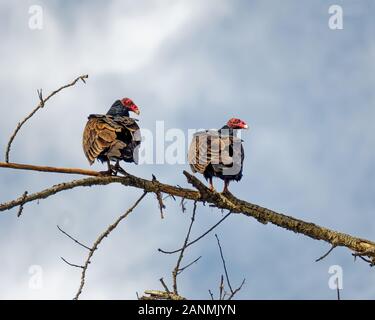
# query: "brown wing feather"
[[205, 149], [100, 134], [209, 147]]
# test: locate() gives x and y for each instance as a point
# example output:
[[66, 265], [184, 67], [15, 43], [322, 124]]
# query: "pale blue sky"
[[305, 90]]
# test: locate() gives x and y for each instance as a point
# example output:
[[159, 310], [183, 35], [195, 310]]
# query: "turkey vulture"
[[218, 153], [114, 136]]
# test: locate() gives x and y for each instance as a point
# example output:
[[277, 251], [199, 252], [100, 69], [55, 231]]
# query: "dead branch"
[[221, 288], [71, 264], [128, 180], [21, 205], [181, 255], [360, 246], [160, 295], [223, 293], [197, 239], [74, 239], [189, 265], [100, 239], [236, 290], [370, 261], [164, 285], [326, 254], [159, 198], [30, 167], [41, 104], [224, 265]]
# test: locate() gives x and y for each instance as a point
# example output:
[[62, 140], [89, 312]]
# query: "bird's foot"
[[121, 170], [114, 170], [212, 188], [227, 192]]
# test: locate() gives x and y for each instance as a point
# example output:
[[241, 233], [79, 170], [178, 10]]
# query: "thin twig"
[[182, 203], [236, 290], [71, 264], [326, 254], [221, 287], [21, 205], [100, 239], [39, 106], [371, 262], [74, 239], [224, 265], [197, 239], [188, 265], [169, 196], [212, 296], [164, 285], [159, 197], [160, 203], [177, 267]]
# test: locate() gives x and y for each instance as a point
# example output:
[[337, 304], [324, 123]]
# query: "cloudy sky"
[[305, 90]]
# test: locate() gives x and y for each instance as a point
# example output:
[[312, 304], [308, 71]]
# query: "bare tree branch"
[[188, 265], [30, 167], [361, 255], [128, 180], [71, 264], [236, 290], [160, 295], [177, 267], [224, 265], [21, 205], [360, 246], [159, 198], [223, 293], [326, 254], [74, 239], [221, 288], [182, 204], [39, 106], [197, 239], [164, 285], [100, 239]]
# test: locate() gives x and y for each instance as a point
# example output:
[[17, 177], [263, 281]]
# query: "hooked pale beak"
[[246, 126], [136, 110]]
